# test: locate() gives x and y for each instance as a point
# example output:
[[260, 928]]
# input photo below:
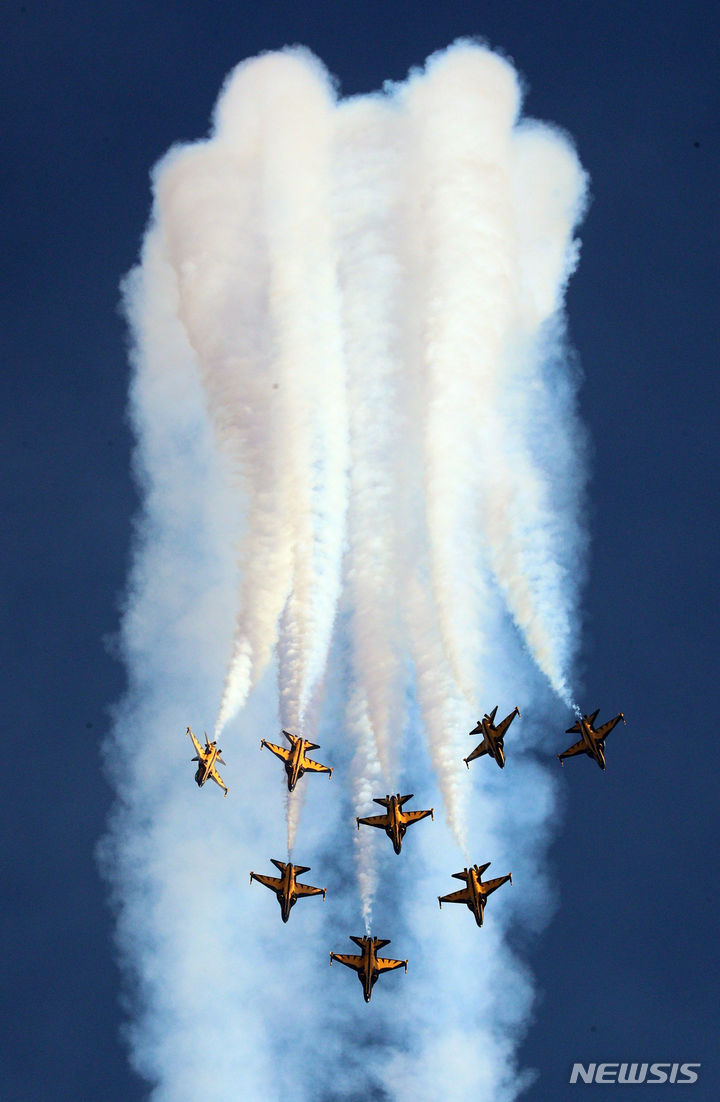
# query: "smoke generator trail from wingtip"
[[358, 436]]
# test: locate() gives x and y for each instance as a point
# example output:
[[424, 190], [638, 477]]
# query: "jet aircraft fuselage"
[[476, 891], [592, 739], [493, 743], [295, 759], [207, 758], [287, 887], [395, 821], [367, 963]]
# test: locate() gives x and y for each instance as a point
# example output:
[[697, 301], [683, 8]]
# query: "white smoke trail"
[[367, 210], [461, 114], [363, 300]]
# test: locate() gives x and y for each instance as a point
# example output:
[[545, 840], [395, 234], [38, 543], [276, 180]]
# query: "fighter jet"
[[592, 742], [493, 739], [286, 886], [206, 769], [296, 760], [368, 964], [395, 821], [474, 894]]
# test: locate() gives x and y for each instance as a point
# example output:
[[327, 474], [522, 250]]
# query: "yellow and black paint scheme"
[[295, 758], [206, 758], [287, 888], [476, 891], [592, 741], [367, 963], [493, 737], [395, 821]]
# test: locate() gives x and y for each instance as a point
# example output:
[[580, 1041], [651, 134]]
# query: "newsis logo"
[[634, 1073]]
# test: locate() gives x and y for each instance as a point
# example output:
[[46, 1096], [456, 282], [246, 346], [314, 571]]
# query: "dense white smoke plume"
[[359, 454]]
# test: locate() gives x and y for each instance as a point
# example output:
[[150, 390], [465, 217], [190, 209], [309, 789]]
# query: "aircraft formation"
[[394, 822]]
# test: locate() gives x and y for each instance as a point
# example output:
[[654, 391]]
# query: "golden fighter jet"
[[286, 886], [592, 741], [395, 821], [493, 737], [206, 758], [476, 891], [368, 964], [296, 760]]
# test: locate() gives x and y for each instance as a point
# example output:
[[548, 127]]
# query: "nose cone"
[[397, 844], [501, 757]]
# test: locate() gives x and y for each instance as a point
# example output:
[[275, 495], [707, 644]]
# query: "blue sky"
[[92, 100]]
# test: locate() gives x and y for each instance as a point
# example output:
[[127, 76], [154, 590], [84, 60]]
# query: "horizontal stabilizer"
[[490, 716], [357, 940], [384, 801], [301, 868], [404, 799], [278, 864]]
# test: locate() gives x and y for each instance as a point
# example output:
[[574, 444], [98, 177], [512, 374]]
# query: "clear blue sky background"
[[91, 96]]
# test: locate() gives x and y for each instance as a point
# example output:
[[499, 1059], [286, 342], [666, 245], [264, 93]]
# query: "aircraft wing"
[[604, 731], [315, 766], [200, 750], [215, 776], [577, 748], [348, 959], [491, 885], [279, 751], [381, 821], [415, 816], [274, 883], [384, 964], [504, 724], [463, 896], [477, 752], [306, 889]]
